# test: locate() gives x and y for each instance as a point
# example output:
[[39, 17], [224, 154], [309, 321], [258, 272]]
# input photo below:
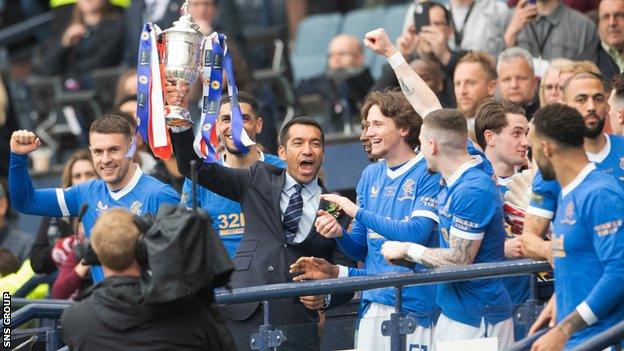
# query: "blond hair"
[[114, 237]]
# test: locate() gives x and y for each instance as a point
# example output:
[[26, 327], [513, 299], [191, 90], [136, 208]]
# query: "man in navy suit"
[[280, 206]]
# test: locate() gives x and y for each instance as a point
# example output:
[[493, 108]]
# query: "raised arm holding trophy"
[[179, 56]]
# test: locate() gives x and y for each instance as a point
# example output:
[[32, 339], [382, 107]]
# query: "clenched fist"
[[24, 142], [378, 41]]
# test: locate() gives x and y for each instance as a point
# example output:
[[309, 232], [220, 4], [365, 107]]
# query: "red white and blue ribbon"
[[217, 59], [150, 99]]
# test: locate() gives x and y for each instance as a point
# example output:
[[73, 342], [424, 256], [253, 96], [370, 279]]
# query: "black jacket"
[[605, 63], [112, 317], [263, 255]]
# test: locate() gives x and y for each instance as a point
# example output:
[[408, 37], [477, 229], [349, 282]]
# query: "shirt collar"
[[556, 15], [476, 160], [404, 168], [116, 195], [578, 180], [312, 187], [600, 156]]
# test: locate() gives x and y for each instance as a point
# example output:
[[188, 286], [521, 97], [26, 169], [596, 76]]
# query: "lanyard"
[[144, 76], [541, 43], [459, 35]]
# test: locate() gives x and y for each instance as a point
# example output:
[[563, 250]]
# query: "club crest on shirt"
[[408, 190], [135, 208], [444, 210], [569, 215], [184, 197], [556, 243], [101, 206], [622, 163], [374, 191]]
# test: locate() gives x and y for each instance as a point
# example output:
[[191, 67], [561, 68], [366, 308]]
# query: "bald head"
[[345, 51]]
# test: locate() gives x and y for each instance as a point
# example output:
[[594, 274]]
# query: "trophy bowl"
[[182, 65]]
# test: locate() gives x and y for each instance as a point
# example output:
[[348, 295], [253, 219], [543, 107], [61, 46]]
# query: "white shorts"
[[447, 330], [369, 333]]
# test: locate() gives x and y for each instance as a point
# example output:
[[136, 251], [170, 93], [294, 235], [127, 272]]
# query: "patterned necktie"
[[292, 214]]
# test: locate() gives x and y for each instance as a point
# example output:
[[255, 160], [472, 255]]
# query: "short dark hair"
[[115, 122], [447, 119], [433, 4], [283, 135], [245, 98], [492, 115], [617, 84], [9, 263], [560, 123], [583, 75], [394, 105]]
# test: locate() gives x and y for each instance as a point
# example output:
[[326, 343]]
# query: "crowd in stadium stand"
[[490, 131]]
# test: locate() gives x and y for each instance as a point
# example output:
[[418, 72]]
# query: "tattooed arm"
[[461, 252], [417, 92]]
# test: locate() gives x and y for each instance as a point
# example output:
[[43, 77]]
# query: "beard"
[[595, 131]]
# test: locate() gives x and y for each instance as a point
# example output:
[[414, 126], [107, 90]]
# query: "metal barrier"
[[267, 338], [609, 337]]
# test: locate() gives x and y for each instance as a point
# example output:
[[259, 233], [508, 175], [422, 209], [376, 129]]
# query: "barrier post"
[[399, 324], [266, 339]]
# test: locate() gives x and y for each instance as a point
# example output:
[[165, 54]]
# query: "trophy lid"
[[185, 23]]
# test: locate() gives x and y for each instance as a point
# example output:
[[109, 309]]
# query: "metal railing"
[[267, 338], [609, 337]]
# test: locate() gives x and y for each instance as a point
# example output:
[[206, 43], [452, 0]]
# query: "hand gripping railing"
[[397, 327]]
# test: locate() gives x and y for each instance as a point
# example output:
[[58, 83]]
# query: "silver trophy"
[[182, 63]]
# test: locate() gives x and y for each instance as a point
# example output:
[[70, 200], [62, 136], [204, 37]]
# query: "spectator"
[[433, 76], [571, 69], [11, 238], [549, 84], [474, 81], [114, 317], [616, 104], [609, 55], [583, 6], [78, 169], [430, 44], [204, 12], [345, 83], [587, 241], [126, 86], [516, 79], [13, 276], [477, 25], [551, 30], [160, 12], [93, 39]]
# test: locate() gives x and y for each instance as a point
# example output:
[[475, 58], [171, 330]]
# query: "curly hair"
[[394, 105]]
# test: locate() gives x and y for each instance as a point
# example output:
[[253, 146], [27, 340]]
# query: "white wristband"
[[396, 60], [415, 252]]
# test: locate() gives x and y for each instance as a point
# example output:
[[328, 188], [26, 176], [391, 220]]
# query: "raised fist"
[[378, 41], [24, 142]]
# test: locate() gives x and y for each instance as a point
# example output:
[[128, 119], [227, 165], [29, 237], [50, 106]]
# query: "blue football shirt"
[[470, 207], [398, 205], [546, 192], [588, 248], [143, 194]]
